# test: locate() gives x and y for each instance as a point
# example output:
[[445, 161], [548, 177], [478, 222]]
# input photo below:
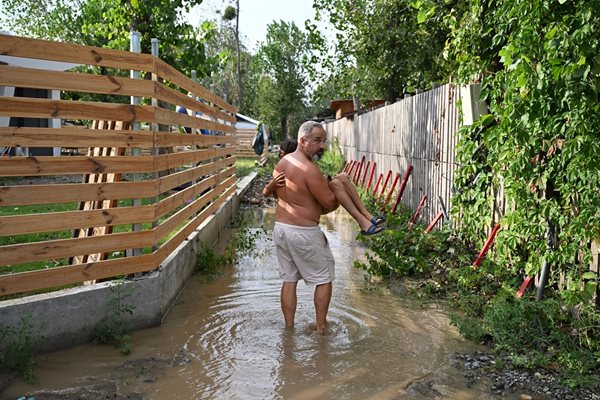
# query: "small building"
[[246, 129], [345, 107]]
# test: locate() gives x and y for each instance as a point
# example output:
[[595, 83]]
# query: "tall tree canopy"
[[107, 23], [282, 87], [382, 48]]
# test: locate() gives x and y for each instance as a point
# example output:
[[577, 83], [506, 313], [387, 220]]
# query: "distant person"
[[341, 185]]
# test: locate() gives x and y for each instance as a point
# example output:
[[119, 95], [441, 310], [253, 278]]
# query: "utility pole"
[[239, 61]]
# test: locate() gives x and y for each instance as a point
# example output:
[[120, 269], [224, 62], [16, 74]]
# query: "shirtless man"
[[302, 249]]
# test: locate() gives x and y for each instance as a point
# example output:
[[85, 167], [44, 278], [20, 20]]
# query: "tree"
[[539, 66], [107, 23], [283, 85], [381, 47], [229, 14]]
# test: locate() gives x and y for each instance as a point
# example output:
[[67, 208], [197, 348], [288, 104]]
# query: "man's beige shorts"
[[303, 253]]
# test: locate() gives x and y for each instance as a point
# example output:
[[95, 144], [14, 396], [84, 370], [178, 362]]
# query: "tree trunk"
[[284, 132]]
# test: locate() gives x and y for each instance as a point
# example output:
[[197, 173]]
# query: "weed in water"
[[16, 351], [112, 329]]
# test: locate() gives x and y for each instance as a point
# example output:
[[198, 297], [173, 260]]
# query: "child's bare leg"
[[339, 189], [354, 196]]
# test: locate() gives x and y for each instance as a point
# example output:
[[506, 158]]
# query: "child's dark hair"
[[288, 145]]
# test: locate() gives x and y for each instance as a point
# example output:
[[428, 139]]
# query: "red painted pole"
[[358, 171], [351, 168], [387, 199], [371, 176], [387, 179], [436, 219], [402, 186], [378, 182], [362, 183], [524, 286], [486, 246], [346, 166], [418, 211]]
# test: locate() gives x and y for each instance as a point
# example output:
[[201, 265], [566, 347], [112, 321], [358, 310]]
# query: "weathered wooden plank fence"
[[418, 131], [171, 181]]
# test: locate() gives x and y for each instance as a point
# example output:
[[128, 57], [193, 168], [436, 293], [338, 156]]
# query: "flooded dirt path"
[[225, 339]]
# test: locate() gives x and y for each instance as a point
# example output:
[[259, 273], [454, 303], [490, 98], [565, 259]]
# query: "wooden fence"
[[244, 139], [417, 131], [168, 182]]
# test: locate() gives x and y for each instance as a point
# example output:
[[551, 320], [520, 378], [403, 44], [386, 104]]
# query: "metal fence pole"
[[135, 46]]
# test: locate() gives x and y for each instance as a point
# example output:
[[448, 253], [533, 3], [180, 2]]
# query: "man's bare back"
[[306, 194]]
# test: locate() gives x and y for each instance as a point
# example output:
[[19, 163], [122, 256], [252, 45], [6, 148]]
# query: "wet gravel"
[[538, 385]]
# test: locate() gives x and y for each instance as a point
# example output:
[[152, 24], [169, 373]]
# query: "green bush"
[[243, 242]]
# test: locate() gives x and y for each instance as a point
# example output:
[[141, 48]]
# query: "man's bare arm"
[[319, 188]]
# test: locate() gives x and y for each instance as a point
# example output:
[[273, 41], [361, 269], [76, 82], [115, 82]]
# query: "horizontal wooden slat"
[[84, 137], [165, 71], [170, 245], [176, 200], [171, 223], [73, 53], [47, 165], [60, 276], [75, 82], [169, 117], [45, 108], [47, 222], [74, 137], [167, 161], [175, 97], [65, 193], [51, 249], [171, 181], [66, 109]]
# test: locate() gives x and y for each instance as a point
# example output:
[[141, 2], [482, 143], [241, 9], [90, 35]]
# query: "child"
[[342, 187]]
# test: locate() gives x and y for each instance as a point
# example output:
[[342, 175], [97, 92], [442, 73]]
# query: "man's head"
[[311, 139]]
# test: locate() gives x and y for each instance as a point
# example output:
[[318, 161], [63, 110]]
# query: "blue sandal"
[[377, 220], [373, 229]]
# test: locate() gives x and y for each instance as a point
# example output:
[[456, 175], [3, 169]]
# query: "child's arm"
[[277, 181]]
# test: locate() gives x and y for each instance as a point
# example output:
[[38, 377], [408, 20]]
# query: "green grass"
[[245, 166]]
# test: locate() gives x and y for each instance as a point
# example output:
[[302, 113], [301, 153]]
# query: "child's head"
[[287, 146]]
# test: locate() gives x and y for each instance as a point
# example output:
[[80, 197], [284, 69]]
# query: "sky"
[[255, 15]]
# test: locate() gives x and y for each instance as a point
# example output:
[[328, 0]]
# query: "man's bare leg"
[[288, 302], [322, 299]]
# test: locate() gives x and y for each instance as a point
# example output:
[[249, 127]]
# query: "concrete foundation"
[[69, 317]]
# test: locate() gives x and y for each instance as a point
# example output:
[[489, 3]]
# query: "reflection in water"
[[225, 339]]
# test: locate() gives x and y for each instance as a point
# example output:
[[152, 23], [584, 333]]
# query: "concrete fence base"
[[69, 317]]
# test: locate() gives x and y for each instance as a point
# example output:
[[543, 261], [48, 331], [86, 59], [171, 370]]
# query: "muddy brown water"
[[224, 339]]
